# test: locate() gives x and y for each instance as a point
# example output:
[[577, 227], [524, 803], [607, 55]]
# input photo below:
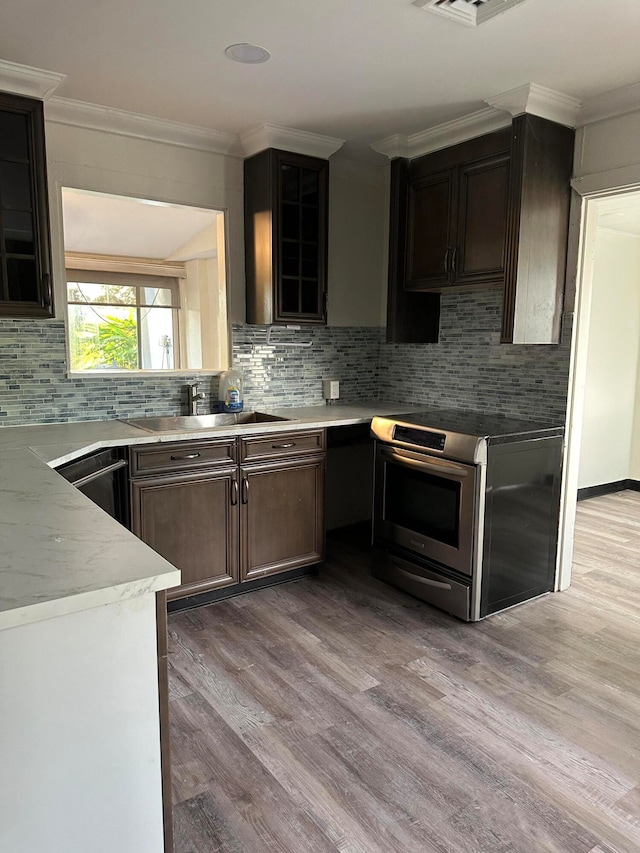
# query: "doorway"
[[603, 416]]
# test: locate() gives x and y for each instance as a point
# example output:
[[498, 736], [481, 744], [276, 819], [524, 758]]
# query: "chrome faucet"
[[193, 395]]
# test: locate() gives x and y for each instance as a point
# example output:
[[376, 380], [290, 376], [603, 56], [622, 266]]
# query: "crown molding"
[[392, 146], [611, 104], [442, 135], [124, 123], [539, 101], [28, 81], [261, 136]]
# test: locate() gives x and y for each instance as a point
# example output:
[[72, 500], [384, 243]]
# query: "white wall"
[[634, 472], [607, 146], [611, 399], [112, 163], [357, 242], [79, 738], [108, 162]]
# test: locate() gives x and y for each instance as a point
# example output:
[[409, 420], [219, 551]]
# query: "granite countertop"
[[60, 552]]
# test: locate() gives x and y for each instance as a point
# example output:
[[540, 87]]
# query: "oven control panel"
[[419, 437]]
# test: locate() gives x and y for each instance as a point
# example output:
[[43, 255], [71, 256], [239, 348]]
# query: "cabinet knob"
[[283, 446], [447, 254], [185, 456], [245, 490], [234, 492]]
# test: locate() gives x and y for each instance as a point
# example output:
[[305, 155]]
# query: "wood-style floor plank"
[[339, 714]]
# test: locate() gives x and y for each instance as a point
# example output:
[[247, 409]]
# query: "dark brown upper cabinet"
[[457, 214], [492, 211], [537, 230], [286, 225], [25, 255]]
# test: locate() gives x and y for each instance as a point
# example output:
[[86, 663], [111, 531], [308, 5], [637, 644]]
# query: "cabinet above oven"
[[489, 212]]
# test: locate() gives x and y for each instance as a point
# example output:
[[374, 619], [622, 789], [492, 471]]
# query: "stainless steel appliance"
[[466, 507], [102, 477]]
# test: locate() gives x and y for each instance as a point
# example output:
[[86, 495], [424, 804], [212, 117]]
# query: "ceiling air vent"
[[467, 12]]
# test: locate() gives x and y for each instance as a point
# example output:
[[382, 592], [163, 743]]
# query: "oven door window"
[[423, 503]]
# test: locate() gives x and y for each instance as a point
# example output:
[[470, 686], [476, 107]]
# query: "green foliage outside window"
[[109, 343]]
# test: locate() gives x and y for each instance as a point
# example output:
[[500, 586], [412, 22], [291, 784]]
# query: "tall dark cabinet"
[[286, 223], [491, 211], [25, 255]]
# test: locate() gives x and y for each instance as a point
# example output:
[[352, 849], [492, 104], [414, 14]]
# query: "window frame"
[[138, 281]]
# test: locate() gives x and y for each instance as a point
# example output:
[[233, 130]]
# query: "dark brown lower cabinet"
[[192, 520], [282, 517], [223, 523]]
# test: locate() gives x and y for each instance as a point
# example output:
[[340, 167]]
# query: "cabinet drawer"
[[182, 456], [282, 445]]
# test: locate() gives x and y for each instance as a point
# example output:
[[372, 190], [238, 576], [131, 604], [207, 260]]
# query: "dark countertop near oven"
[[495, 428]]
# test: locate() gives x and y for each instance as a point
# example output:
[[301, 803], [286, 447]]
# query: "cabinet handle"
[[245, 490], [283, 446], [446, 260], [234, 492], [454, 260], [186, 456]]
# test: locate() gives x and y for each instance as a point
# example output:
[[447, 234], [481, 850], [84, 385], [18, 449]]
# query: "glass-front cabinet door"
[[25, 261], [286, 237], [301, 261]]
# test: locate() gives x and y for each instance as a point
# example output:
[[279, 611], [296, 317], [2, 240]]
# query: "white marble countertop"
[[59, 553]]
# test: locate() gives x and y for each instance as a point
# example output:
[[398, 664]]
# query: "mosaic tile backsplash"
[[470, 369], [34, 387], [467, 369]]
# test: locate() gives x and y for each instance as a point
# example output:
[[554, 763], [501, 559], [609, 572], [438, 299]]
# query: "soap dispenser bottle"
[[230, 390]]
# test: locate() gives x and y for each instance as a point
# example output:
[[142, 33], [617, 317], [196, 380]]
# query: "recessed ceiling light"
[[249, 53]]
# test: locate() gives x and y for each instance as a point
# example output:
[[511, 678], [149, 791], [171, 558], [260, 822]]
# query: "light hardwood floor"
[[338, 714]]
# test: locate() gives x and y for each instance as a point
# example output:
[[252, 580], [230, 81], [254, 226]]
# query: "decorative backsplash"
[[292, 376], [34, 387], [469, 368]]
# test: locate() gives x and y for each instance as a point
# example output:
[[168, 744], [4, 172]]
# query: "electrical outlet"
[[331, 389]]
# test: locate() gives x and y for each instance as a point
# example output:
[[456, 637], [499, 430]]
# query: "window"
[[122, 322], [146, 285]]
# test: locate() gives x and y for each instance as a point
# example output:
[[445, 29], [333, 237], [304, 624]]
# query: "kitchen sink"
[[187, 423]]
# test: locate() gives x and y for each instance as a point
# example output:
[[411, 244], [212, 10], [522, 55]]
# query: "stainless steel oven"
[[461, 502], [426, 505]]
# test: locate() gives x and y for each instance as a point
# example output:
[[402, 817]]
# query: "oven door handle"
[[439, 466], [420, 579]]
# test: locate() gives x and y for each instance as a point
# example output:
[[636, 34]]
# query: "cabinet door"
[[25, 259], [479, 254], [430, 230], [301, 237], [286, 226], [192, 521], [282, 517]]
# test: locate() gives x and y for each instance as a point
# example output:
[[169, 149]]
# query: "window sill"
[[118, 374]]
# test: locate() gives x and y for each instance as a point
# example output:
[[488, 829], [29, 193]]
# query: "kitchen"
[[468, 368]]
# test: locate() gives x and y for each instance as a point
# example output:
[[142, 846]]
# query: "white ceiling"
[[100, 224], [620, 213], [355, 69]]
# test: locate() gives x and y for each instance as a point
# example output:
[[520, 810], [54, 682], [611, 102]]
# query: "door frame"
[[591, 190]]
